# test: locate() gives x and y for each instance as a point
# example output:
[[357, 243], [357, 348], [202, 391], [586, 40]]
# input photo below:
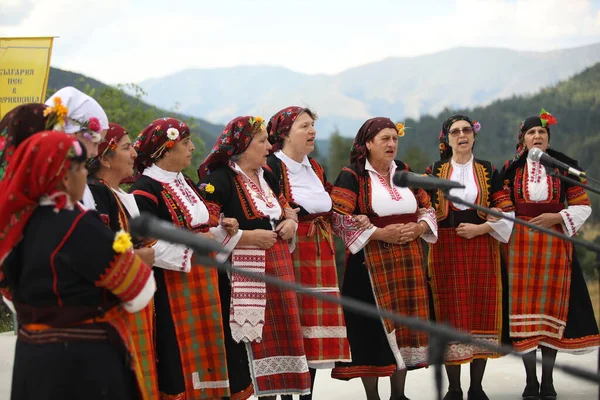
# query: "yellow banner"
[[24, 70]]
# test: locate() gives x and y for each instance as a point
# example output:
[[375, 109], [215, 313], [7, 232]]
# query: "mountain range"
[[399, 87]]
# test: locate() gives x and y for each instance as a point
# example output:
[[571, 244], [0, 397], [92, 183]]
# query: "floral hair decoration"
[[56, 115]]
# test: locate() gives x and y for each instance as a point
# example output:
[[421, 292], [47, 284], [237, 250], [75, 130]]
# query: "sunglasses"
[[466, 130]]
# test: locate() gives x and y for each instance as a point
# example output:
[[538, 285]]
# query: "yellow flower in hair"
[[122, 242], [258, 120], [58, 114], [210, 189], [400, 127]]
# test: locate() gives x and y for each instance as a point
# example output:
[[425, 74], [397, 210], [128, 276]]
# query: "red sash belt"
[[533, 210], [310, 217], [382, 222], [319, 222]]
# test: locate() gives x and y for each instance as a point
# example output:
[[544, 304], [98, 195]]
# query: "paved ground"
[[504, 379]]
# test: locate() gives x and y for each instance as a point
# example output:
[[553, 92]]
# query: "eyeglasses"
[[466, 130]]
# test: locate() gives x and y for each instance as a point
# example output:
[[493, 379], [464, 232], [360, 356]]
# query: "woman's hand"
[[146, 254], [286, 229], [262, 238], [362, 222], [469, 231], [547, 220], [410, 232], [291, 213], [230, 225], [493, 218], [389, 234]]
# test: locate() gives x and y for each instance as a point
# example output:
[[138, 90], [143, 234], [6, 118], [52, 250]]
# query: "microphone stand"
[[442, 333], [576, 182], [588, 245]]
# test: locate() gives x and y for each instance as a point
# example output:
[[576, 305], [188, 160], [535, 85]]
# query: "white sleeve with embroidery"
[[354, 239], [174, 257], [228, 242], [502, 229], [428, 215], [143, 298], [574, 217]]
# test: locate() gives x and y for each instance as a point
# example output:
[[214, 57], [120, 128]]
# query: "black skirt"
[[72, 371]]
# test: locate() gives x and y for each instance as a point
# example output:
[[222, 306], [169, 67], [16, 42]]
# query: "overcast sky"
[[119, 41]]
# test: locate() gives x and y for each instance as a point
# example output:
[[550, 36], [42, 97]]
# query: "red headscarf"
[[367, 131], [16, 126], [156, 138], [234, 139], [37, 166], [280, 124]]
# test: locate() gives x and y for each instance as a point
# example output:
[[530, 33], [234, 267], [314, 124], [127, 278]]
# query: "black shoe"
[[547, 392], [454, 395], [476, 394], [532, 391]]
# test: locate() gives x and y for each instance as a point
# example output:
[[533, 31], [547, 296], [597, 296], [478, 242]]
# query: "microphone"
[[426, 182], [538, 155], [147, 225]]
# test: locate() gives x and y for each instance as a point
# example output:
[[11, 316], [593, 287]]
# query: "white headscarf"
[[81, 108]]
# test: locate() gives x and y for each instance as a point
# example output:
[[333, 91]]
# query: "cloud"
[[523, 24], [129, 41], [13, 12]]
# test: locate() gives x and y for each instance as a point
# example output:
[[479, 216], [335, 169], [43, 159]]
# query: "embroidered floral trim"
[[396, 196]]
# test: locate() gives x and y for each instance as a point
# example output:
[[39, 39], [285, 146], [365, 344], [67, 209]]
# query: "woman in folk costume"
[[264, 322], [464, 264], [385, 266], [85, 119], [189, 339], [115, 162], [16, 126], [549, 303], [303, 183], [70, 297]]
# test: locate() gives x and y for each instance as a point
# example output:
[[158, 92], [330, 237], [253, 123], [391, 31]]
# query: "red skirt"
[[467, 290], [278, 363], [323, 325]]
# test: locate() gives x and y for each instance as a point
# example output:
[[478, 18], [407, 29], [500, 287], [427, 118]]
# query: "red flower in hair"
[[548, 117], [94, 124]]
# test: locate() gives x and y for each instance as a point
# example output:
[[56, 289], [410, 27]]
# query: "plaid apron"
[[398, 279], [467, 290], [196, 311], [539, 278], [323, 326]]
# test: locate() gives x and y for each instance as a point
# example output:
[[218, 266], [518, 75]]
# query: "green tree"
[[416, 158], [339, 153]]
